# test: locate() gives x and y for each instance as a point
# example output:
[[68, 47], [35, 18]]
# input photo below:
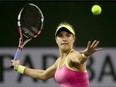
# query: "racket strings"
[[31, 20]]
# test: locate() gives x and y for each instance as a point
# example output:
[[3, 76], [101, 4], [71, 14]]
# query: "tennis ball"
[[96, 9]]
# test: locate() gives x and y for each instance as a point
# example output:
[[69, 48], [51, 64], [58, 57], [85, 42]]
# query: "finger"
[[94, 42], [99, 49], [89, 44], [15, 69], [11, 61]]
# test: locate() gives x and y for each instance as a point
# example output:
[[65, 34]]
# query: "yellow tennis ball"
[[96, 9]]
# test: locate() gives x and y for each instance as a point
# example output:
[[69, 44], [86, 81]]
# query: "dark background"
[[78, 13]]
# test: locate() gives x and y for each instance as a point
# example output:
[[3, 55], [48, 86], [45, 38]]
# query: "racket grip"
[[17, 56]]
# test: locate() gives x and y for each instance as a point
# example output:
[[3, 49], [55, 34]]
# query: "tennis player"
[[69, 70]]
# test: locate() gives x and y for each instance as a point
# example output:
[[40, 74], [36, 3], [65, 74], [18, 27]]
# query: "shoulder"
[[74, 53], [74, 56]]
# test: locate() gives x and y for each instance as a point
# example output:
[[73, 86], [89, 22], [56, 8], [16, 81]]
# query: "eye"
[[60, 35], [68, 35]]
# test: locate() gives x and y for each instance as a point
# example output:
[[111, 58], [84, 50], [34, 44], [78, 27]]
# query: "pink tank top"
[[70, 78]]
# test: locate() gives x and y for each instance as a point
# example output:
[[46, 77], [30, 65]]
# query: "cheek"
[[57, 40], [72, 39]]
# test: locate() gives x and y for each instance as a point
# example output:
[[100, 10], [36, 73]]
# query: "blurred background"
[[41, 52]]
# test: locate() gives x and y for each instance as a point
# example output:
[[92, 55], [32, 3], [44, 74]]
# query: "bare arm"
[[41, 74], [38, 73]]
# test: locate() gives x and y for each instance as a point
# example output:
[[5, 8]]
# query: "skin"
[[73, 58]]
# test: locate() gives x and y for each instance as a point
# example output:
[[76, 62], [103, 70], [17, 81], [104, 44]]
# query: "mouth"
[[64, 43]]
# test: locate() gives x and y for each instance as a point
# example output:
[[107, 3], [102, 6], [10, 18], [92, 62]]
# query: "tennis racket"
[[30, 25]]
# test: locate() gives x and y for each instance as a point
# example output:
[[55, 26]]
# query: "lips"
[[64, 43]]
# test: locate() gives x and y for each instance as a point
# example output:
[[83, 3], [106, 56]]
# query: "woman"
[[70, 68]]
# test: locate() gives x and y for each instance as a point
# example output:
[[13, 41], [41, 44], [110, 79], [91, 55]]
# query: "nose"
[[64, 38]]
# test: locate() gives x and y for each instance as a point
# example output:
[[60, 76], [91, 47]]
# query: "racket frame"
[[21, 39]]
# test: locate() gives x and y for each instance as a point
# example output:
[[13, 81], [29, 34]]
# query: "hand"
[[91, 48], [15, 64]]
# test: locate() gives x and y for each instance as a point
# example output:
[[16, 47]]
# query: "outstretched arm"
[[81, 57]]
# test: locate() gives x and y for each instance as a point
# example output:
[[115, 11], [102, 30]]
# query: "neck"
[[63, 54]]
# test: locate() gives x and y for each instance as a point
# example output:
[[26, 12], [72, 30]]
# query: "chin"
[[65, 48]]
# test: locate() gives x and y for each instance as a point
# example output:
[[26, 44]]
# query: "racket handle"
[[17, 56]]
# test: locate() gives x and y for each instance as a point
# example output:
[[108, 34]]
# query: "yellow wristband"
[[21, 69], [84, 55]]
